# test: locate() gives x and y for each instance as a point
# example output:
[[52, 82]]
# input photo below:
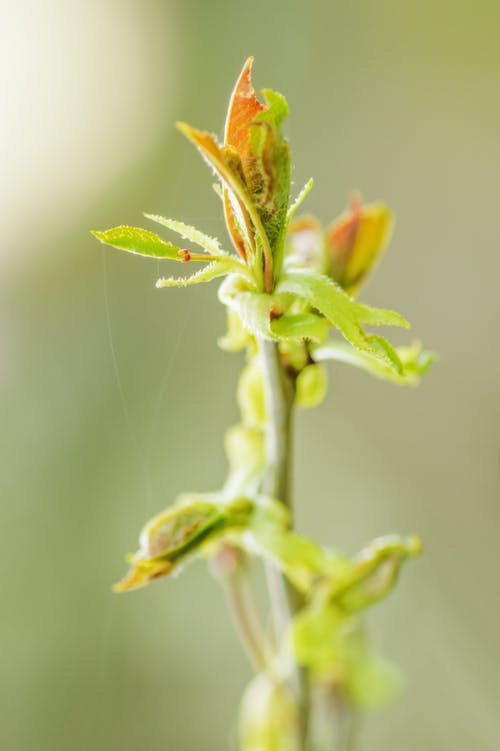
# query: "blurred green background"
[[114, 396]]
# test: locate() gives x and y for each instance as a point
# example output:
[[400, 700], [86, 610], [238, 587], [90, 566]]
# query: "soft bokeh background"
[[114, 396]]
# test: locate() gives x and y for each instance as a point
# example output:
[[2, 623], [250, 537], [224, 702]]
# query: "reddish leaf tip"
[[243, 109]]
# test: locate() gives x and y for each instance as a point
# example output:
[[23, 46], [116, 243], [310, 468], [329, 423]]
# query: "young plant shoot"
[[290, 286]]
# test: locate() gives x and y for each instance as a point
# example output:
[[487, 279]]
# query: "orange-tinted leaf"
[[226, 166], [238, 221], [252, 130], [243, 109], [141, 573]]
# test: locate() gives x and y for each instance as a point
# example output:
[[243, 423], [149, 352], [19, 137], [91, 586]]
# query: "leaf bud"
[[311, 386], [355, 241]]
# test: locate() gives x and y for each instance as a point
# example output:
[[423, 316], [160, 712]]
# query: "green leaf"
[[300, 199], [266, 315], [212, 271], [140, 241], [272, 512], [380, 316], [414, 361], [269, 185], [299, 326], [210, 244], [255, 311], [342, 312], [277, 108], [387, 352]]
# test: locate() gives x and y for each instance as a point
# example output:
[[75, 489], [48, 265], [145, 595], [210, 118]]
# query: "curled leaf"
[[179, 533], [374, 572]]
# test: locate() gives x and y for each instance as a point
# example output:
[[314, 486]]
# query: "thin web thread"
[[167, 374], [143, 453], [123, 401]]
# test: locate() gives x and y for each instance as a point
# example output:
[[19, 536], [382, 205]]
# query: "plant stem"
[[279, 394], [279, 391], [345, 722], [241, 605]]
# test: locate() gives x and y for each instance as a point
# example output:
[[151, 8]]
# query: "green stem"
[[229, 566], [333, 722], [279, 395], [245, 619], [345, 723], [279, 391]]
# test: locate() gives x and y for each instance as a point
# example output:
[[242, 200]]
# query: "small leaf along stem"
[[279, 392]]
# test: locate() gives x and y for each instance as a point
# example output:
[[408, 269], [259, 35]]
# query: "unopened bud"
[[355, 241]]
